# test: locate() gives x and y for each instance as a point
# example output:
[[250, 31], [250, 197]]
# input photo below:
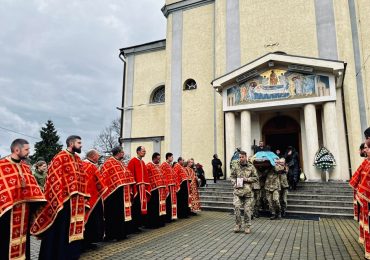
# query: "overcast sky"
[[59, 61]]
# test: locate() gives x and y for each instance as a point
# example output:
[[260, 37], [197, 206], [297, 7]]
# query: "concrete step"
[[300, 188], [316, 208], [310, 196], [292, 193], [291, 200], [289, 212]]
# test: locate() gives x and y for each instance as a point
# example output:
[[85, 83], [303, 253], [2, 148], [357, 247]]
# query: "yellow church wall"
[[197, 105], [149, 73], [362, 11], [290, 25], [345, 53], [168, 2]]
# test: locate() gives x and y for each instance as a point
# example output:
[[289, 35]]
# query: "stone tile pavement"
[[209, 236]]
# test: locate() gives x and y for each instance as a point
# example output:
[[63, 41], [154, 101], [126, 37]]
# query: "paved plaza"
[[209, 236]]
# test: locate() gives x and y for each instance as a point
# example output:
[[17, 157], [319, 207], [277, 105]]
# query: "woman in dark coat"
[[292, 161], [217, 168]]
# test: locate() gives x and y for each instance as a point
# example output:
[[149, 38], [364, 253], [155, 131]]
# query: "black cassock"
[[114, 214], [183, 210], [94, 228], [152, 219], [55, 240]]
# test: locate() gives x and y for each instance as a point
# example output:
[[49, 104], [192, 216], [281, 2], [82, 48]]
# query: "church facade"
[[231, 73]]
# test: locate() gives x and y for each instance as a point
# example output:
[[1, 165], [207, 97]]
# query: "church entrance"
[[281, 132]]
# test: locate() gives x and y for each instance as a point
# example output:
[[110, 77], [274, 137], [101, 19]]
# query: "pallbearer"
[[117, 199], [183, 199], [157, 204], [60, 223], [142, 195], [94, 227], [171, 201], [18, 193]]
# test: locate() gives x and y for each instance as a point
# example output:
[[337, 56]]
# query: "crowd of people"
[[71, 203], [360, 182]]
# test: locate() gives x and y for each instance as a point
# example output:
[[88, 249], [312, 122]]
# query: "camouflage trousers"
[[256, 201], [274, 201], [284, 199], [247, 203]]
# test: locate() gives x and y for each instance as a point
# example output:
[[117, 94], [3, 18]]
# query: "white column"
[[230, 139], [331, 136], [246, 131], [312, 141]]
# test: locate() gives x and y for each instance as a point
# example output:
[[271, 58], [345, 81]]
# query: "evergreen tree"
[[49, 146]]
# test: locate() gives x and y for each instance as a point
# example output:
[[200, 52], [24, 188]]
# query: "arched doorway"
[[282, 131]]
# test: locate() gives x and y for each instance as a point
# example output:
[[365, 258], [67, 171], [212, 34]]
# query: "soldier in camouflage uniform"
[[243, 173], [282, 169], [272, 187]]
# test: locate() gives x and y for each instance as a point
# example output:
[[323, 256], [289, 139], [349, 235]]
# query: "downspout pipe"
[[121, 56]]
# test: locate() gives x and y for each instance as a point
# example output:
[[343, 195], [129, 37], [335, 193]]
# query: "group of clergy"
[[360, 183], [82, 203]]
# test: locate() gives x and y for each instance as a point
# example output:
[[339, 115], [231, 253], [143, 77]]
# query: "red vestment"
[[171, 181], [138, 168], [194, 193], [66, 181], [95, 185], [18, 187], [158, 182], [114, 175], [182, 175], [363, 193], [354, 182]]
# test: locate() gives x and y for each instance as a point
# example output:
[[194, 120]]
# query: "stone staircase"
[[310, 198]]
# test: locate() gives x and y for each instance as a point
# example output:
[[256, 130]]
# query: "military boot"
[[278, 216], [247, 230], [237, 228], [273, 216], [283, 213]]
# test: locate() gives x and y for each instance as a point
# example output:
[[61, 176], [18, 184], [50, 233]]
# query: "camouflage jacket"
[[249, 175], [272, 181], [282, 171]]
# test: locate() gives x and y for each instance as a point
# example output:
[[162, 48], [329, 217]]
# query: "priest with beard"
[[60, 223], [94, 219], [19, 193], [142, 195], [157, 205], [171, 181], [117, 199], [183, 198]]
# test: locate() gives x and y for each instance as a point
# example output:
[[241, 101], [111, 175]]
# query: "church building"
[[233, 72]]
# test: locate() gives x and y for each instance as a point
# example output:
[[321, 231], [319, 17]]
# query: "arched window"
[[158, 95], [190, 84]]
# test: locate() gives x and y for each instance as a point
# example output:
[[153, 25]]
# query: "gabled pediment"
[[280, 80], [270, 61]]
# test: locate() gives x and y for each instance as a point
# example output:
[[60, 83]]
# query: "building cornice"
[[182, 5], [146, 47], [144, 139]]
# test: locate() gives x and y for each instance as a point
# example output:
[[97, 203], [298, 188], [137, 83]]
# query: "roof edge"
[[145, 47]]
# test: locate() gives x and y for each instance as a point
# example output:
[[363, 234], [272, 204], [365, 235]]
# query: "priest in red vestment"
[[117, 199], [363, 193], [356, 179], [157, 205], [183, 199], [18, 193], [60, 223], [142, 195], [94, 219], [194, 193], [171, 181]]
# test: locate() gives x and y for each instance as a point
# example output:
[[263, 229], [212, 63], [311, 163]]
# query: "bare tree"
[[108, 138]]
